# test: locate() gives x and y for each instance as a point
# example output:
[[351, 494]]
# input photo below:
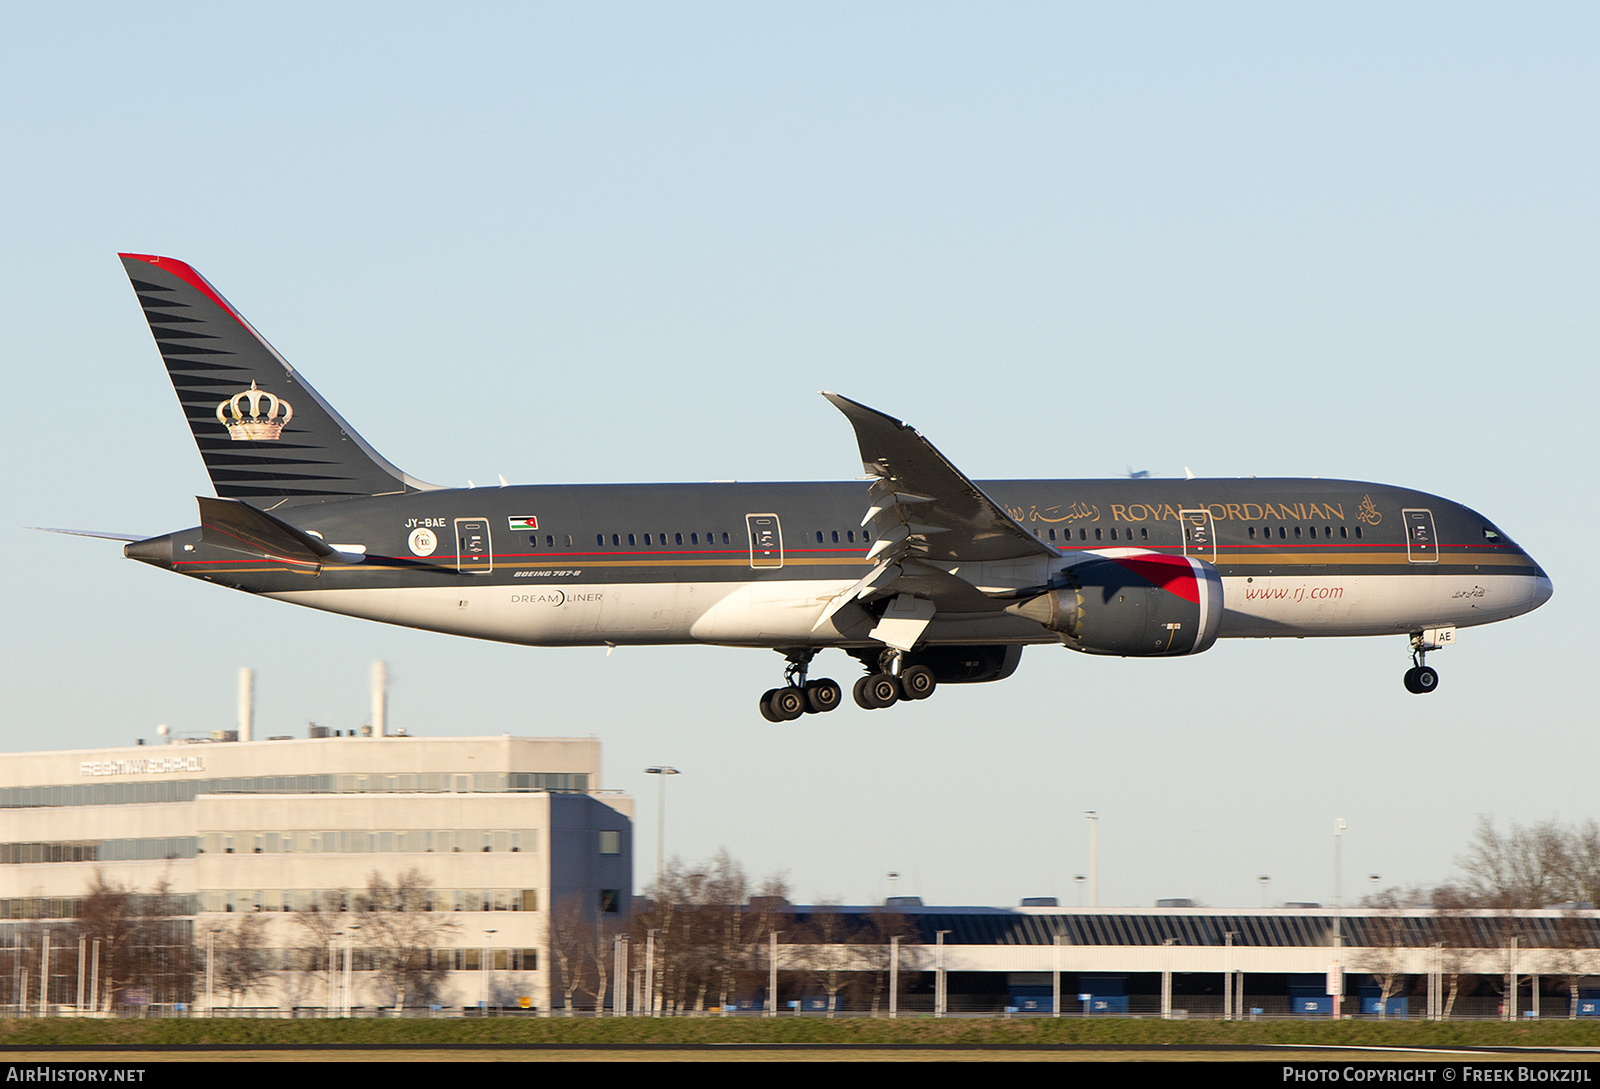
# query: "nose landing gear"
[[1421, 679]]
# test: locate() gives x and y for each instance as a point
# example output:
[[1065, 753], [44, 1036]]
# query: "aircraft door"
[[766, 540], [1421, 545], [474, 549], [1199, 534]]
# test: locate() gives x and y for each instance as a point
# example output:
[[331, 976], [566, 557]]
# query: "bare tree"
[[1583, 864], [1458, 936], [572, 939], [108, 914], [1388, 948], [600, 950], [1572, 955], [1519, 869], [883, 926], [828, 950], [318, 926], [728, 946], [400, 929], [769, 912], [240, 957]]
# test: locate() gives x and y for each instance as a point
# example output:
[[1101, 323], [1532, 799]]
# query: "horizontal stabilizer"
[[230, 523], [104, 536]]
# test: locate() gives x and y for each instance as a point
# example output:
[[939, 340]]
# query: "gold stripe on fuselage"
[[1288, 562]]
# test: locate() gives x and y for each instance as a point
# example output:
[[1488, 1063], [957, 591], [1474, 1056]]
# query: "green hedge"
[[581, 1031]]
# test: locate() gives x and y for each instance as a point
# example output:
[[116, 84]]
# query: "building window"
[[610, 842]]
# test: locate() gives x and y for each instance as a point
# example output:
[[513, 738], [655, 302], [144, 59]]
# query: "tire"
[[823, 696], [917, 682], [788, 703], [1426, 681], [766, 706], [882, 690], [860, 693]]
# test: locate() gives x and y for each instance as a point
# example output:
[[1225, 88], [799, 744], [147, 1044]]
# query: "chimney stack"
[[380, 699], [247, 701]]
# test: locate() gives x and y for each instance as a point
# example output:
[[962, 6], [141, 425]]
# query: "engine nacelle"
[[968, 665], [955, 664], [1143, 605]]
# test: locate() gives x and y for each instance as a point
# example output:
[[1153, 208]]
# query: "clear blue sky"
[[628, 242]]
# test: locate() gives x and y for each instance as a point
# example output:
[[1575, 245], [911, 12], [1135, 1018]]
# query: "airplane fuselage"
[[753, 564]]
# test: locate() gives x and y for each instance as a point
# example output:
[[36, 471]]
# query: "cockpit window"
[[1495, 537]]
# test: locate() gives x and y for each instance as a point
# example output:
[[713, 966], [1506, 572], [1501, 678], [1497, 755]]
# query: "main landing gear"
[[799, 696], [1421, 679], [888, 681], [893, 682]]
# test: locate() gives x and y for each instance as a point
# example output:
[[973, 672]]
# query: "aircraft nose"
[[1542, 588]]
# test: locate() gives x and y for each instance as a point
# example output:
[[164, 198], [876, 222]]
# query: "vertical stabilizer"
[[266, 436]]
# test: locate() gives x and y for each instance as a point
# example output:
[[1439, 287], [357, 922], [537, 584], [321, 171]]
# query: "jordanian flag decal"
[[525, 522]]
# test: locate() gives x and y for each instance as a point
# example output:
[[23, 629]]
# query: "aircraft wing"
[[923, 507], [924, 511]]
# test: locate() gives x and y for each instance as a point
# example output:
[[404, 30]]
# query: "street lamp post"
[[1094, 858], [1336, 972], [484, 962], [661, 815]]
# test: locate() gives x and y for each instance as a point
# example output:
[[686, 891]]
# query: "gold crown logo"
[[255, 426]]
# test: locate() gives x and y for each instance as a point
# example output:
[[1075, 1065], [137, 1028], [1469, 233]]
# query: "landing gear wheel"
[[766, 706], [1420, 680], [917, 682], [859, 691], [788, 703], [881, 690], [823, 695]]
